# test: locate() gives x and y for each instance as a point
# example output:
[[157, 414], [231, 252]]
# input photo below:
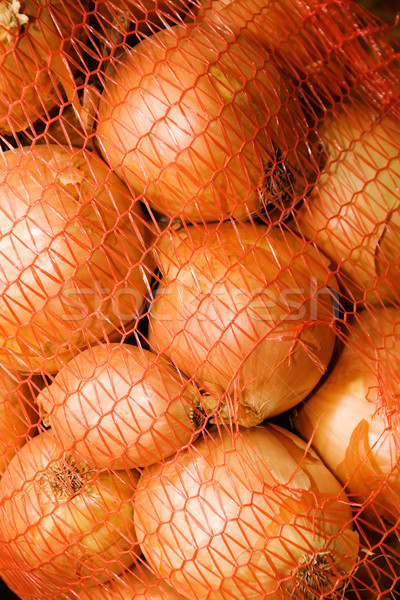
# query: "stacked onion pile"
[[193, 198]]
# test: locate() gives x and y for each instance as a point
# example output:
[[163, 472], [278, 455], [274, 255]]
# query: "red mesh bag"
[[199, 300]]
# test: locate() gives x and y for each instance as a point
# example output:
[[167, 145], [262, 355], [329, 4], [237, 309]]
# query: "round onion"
[[115, 20], [72, 256], [352, 418], [330, 38], [18, 414], [138, 583], [36, 41], [204, 125], [244, 310], [122, 406], [246, 516], [353, 212], [62, 522]]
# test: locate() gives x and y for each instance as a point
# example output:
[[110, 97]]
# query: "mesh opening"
[[199, 299]]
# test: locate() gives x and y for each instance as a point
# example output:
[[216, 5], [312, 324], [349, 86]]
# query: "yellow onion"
[[73, 268], [62, 523], [70, 127], [116, 19], [203, 124], [352, 418], [331, 39], [139, 583], [122, 406], [247, 310], [353, 212], [246, 515], [37, 39], [18, 413]]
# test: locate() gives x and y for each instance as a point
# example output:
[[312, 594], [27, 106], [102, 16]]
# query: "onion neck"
[[11, 20], [277, 190], [196, 414]]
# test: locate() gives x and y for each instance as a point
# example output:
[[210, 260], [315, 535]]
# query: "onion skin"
[[30, 58], [240, 515], [121, 406], [116, 20], [352, 417], [353, 212], [62, 523], [237, 309], [18, 414], [330, 38], [211, 128], [138, 583], [71, 242]]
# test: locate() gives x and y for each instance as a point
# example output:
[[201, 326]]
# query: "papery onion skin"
[[61, 522], [18, 414], [242, 516], [139, 583], [353, 212], [203, 124], [352, 418], [117, 19], [29, 73], [73, 262], [331, 40], [244, 309], [121, 406]]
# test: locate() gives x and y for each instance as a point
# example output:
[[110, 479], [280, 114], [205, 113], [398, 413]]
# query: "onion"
[[72, 256], [37, 40], [115, 20], [18, 414], [62, 522], [123, 405], [204, 125], [244, 310], [333, 41], [138, 583], [353, 212], [246, 516], [352, 419], [69, 127]]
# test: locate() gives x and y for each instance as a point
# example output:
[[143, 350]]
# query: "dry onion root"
[[36, 47], [353, 417], [353, 212], [61, 522], [379, 564], [248, 312], [73, 263], [247, 516], [203, 124], [121, 406]]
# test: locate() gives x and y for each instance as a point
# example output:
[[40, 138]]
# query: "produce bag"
[[199, 300]]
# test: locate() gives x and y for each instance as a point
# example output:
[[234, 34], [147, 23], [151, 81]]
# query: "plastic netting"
[[199, 299]]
